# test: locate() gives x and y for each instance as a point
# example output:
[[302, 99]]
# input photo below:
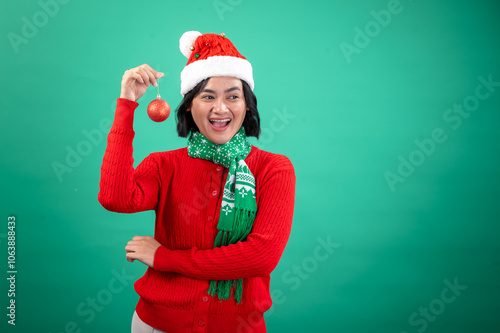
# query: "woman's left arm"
[[262, 250]]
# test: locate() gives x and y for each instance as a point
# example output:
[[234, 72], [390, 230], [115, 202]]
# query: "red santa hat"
[[211, 55]]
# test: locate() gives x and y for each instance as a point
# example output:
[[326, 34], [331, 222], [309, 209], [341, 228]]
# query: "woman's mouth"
[[220, 124]]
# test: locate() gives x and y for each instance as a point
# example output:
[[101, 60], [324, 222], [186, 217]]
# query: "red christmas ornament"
[[158, 109]]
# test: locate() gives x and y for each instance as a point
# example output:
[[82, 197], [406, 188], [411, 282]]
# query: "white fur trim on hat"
[[187, 39], [199, 70]]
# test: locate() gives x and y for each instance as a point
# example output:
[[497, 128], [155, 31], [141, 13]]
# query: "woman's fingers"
[[137, 77], [134, 246], [131, 249], [147, 76], [136, 80], [142, 248], [151, 73], [156, 75], [131, 256]]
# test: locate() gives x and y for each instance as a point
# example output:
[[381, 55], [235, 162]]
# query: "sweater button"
[[201, 323], [209, 219], [204, 298], [219, 168], [214, 193]]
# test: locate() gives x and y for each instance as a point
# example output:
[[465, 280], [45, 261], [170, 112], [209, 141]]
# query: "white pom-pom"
[[187, 39]]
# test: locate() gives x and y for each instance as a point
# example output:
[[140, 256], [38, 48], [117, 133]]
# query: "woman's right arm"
[[123, 189]]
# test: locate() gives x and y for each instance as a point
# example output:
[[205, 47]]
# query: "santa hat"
[[211, 55]]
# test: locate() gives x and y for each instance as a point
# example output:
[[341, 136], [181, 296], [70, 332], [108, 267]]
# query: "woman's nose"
[[219, 105]]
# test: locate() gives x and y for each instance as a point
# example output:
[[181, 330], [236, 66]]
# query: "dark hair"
[[185, 122]]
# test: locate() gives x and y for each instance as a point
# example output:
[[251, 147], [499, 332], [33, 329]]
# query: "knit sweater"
[[186, 195]]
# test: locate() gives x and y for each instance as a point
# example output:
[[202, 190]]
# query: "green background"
[[350, 120]]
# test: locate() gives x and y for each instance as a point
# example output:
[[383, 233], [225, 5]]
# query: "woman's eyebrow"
[[210, 91], [232, 88]]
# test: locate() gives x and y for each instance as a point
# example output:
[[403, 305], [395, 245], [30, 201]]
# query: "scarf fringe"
[[222, 289], [242, 227]]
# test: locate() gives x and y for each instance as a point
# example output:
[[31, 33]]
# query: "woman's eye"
[[207, 97], [233, 97]]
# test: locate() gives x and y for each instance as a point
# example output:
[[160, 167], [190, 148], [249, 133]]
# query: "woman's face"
[[222, 98]]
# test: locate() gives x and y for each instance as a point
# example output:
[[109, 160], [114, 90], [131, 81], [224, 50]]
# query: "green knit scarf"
[[239, 204]]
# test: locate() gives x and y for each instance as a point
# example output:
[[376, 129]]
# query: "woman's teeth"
[[216, 120], [220, 123]]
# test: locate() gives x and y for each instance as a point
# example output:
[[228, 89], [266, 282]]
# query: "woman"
[[223, 207]]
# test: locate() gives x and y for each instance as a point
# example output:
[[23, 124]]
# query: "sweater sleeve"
[[264, 246], [123, 189]]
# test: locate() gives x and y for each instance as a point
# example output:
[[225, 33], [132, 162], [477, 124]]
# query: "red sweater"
[[186, 194]]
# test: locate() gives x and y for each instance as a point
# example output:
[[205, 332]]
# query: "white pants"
[[138, 326]]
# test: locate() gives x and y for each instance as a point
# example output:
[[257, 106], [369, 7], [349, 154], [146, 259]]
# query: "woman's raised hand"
[[136, 80]]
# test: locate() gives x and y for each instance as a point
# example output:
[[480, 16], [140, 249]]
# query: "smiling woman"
[[223, 101], [219, 109], [224, 208]]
